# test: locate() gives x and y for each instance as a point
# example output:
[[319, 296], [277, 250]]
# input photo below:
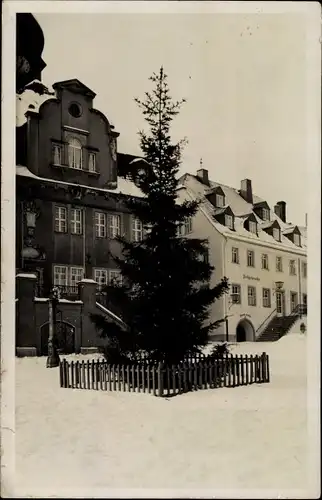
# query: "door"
[[293, 301], [279, 303], [65, 337]]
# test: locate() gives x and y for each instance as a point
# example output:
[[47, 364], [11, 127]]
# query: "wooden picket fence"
[[164, 380]]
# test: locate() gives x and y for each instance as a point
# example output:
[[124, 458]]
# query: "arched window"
[[75, 156]]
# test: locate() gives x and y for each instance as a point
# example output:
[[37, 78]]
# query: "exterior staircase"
[[279, 326]]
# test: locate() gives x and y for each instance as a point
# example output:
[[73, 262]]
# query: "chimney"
[[202, 175], [246, 190], [277, 210], [305, 221], [280, 210]]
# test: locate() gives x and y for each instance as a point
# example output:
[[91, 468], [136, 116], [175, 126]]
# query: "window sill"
[[67, 167]]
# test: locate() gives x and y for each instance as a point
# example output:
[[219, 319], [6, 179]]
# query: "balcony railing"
[[66, 291]]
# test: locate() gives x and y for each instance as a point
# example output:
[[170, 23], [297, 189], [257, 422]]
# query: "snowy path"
[[248, 437]]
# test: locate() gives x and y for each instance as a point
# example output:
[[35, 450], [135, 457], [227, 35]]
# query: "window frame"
[[267, 298], [237, 294], [249, 296], [137, 233], [73, 222], [266, 266], [235, 253], [114, 230], [252, 224], [229, 218], [58, 219], [59, 147], [297, 239], [59, 266], [98, 224], [266, 216], [292, 267], [92, 154], [252, 253], [279, 269], [103, 271], [71, 152], [279, 234], [220, 200]]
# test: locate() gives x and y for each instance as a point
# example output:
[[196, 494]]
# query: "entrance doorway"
[[245, 331], [280, 303], [65, 338]]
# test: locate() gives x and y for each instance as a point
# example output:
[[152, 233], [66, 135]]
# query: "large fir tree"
[[166, 292]]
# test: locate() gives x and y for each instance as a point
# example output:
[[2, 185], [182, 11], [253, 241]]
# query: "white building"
[[262, 255]]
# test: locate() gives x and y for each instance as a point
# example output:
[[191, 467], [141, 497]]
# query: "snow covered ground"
[[78, 442]]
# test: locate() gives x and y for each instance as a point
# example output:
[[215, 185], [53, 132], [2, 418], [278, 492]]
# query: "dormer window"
[[276, 234], [252, 227], [297, 239], [75, 153], [265, 214], [217, 197], [229, 221], [262, 210], [220, 200]]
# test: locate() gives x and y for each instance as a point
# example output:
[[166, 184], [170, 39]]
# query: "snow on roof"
[[240, 208], [124, 186], [30, 100]]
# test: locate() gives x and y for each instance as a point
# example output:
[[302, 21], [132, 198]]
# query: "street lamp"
[[53, 356]]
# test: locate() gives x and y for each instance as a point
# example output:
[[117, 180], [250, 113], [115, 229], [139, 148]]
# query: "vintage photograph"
[[162, 207]]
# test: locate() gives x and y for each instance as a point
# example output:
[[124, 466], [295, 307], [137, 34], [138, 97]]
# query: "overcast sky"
[[244, 78]]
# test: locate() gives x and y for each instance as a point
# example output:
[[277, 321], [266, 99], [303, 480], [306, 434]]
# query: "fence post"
[[160, 379], [61, 374], [267, 368]]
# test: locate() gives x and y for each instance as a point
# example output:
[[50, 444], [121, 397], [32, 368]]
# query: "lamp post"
[[53, 356]]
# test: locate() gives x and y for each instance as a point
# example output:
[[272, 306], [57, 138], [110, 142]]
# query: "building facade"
[[263, 256], [70, 201]]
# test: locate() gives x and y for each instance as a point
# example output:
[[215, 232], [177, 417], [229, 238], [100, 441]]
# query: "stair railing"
[[265, 323]]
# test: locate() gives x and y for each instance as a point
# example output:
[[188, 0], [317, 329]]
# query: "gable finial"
[[201, 162]]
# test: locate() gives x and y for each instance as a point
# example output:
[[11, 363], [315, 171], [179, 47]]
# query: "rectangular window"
[[137, 229], [266, 297], [251, 292], [60, 276], [235, 294], [100, 225], [276, 234], [250, 258], [220, 200], [229, 221], [235, 255], [252, 227], [292, 268], [76, 275], [265, 214], [265, 261], [76, 221], [304, 298], [279, 264], [115, 277], [60, 219], [101, 277], [297, 239], [57, 154], [304, 269], [92, 162], [114, 226], [294, 301]]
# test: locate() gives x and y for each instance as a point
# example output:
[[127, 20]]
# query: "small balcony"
[[68, 292]]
